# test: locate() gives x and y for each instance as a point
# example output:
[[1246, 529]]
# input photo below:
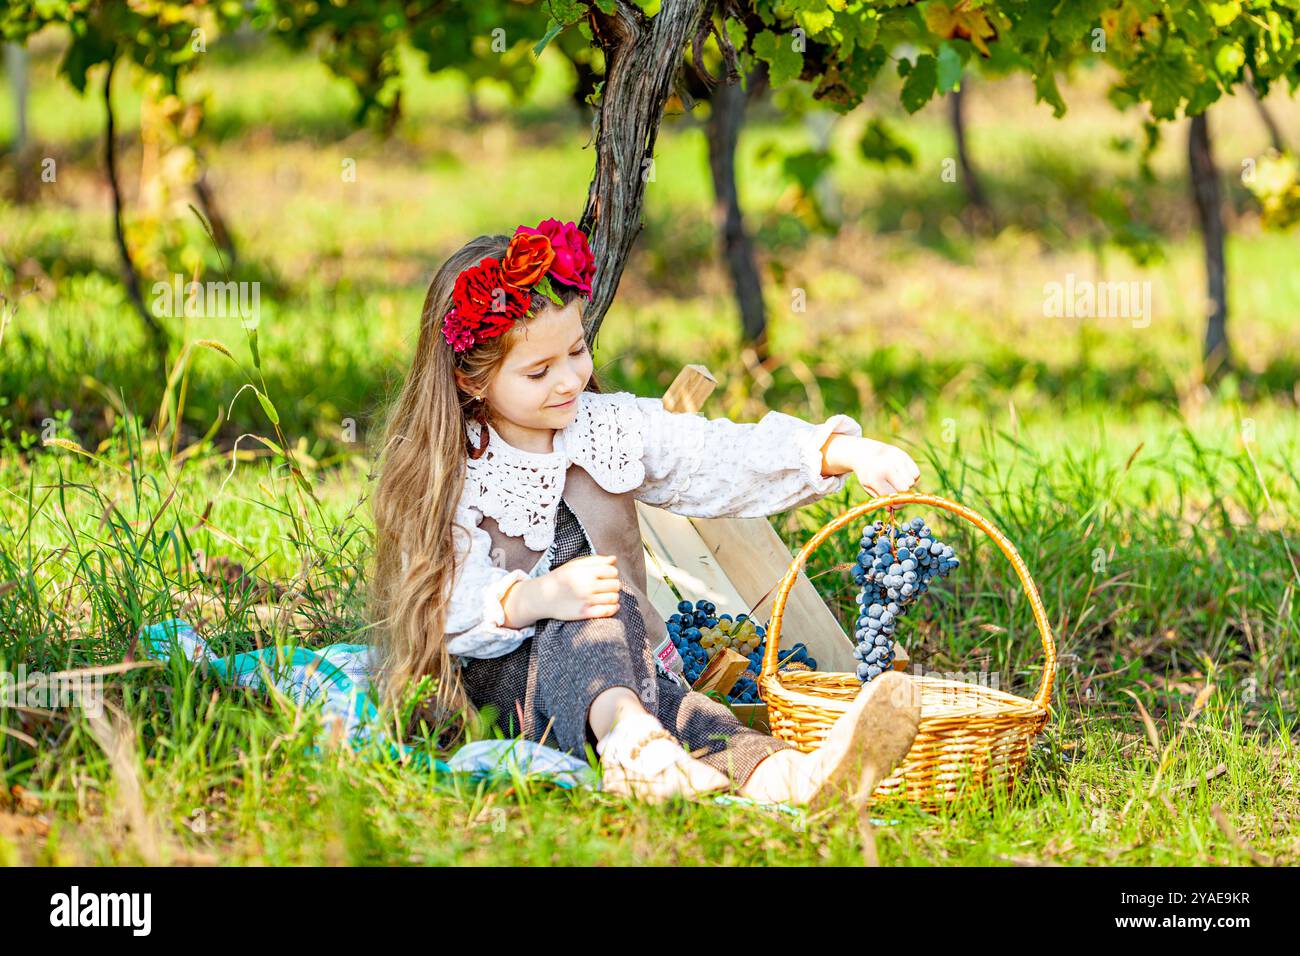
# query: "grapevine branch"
[[641, 58]]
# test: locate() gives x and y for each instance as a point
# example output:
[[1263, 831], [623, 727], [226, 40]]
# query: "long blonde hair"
[[421, 478]]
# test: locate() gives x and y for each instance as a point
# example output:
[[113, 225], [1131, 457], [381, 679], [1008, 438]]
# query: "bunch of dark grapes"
[[895, 566], [698, 631], [684, 630]]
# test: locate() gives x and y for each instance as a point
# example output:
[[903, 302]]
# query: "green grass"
[[1156, 516]]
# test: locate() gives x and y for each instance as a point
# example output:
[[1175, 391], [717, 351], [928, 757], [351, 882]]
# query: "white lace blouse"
[[684, 463]]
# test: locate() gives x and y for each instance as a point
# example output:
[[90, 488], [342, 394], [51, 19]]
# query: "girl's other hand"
[[885, 469], [585, 587]]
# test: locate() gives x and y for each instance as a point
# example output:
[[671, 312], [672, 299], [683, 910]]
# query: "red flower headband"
[[492, 295]]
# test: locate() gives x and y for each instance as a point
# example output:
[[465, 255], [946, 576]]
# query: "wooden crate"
[[735, 563]]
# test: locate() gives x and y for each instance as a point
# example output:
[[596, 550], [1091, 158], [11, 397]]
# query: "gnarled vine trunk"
[[1209, 212], [979, 213], [642, 57], [729, 102]]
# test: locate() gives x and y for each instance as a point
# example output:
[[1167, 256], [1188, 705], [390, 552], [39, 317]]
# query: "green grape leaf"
[[1030, 21], [880, 145], [1202, 96], [949, 68], [1072, 20], [1193, 23], [554, 30], [816, 21], [543, 285], [858, 30], [843, 85], [1224, 13], [1165, 82], [1046, 91], [784, 62], [1229, 58], [919, 84], [88, 48], [806, 167], [569, 11]]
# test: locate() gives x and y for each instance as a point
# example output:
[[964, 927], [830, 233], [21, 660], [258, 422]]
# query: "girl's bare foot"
[[640, 759]]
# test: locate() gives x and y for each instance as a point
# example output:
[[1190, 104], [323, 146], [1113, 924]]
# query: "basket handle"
[[1026, 582]]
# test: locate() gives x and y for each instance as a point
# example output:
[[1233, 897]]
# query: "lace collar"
[[521, 489]]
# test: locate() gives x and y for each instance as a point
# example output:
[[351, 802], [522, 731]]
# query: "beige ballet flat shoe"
[[865, 744], [640, 759]]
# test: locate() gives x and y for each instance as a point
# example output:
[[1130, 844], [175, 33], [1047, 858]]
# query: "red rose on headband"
[[574, 265], [527, 258], [484, 305]]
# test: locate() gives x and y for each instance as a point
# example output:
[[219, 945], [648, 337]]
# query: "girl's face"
[[538, 385]]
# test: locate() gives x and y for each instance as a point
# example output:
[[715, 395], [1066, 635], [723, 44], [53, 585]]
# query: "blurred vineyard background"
[[1154, 499]]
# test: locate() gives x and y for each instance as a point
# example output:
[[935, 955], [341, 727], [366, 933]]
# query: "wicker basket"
[[970, 738]]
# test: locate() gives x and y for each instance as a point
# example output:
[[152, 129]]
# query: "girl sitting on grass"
[[509, 563]]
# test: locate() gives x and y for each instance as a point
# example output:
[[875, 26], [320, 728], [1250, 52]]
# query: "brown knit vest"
[[611, 524]]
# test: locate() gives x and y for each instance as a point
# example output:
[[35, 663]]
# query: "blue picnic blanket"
[[338, 678]]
